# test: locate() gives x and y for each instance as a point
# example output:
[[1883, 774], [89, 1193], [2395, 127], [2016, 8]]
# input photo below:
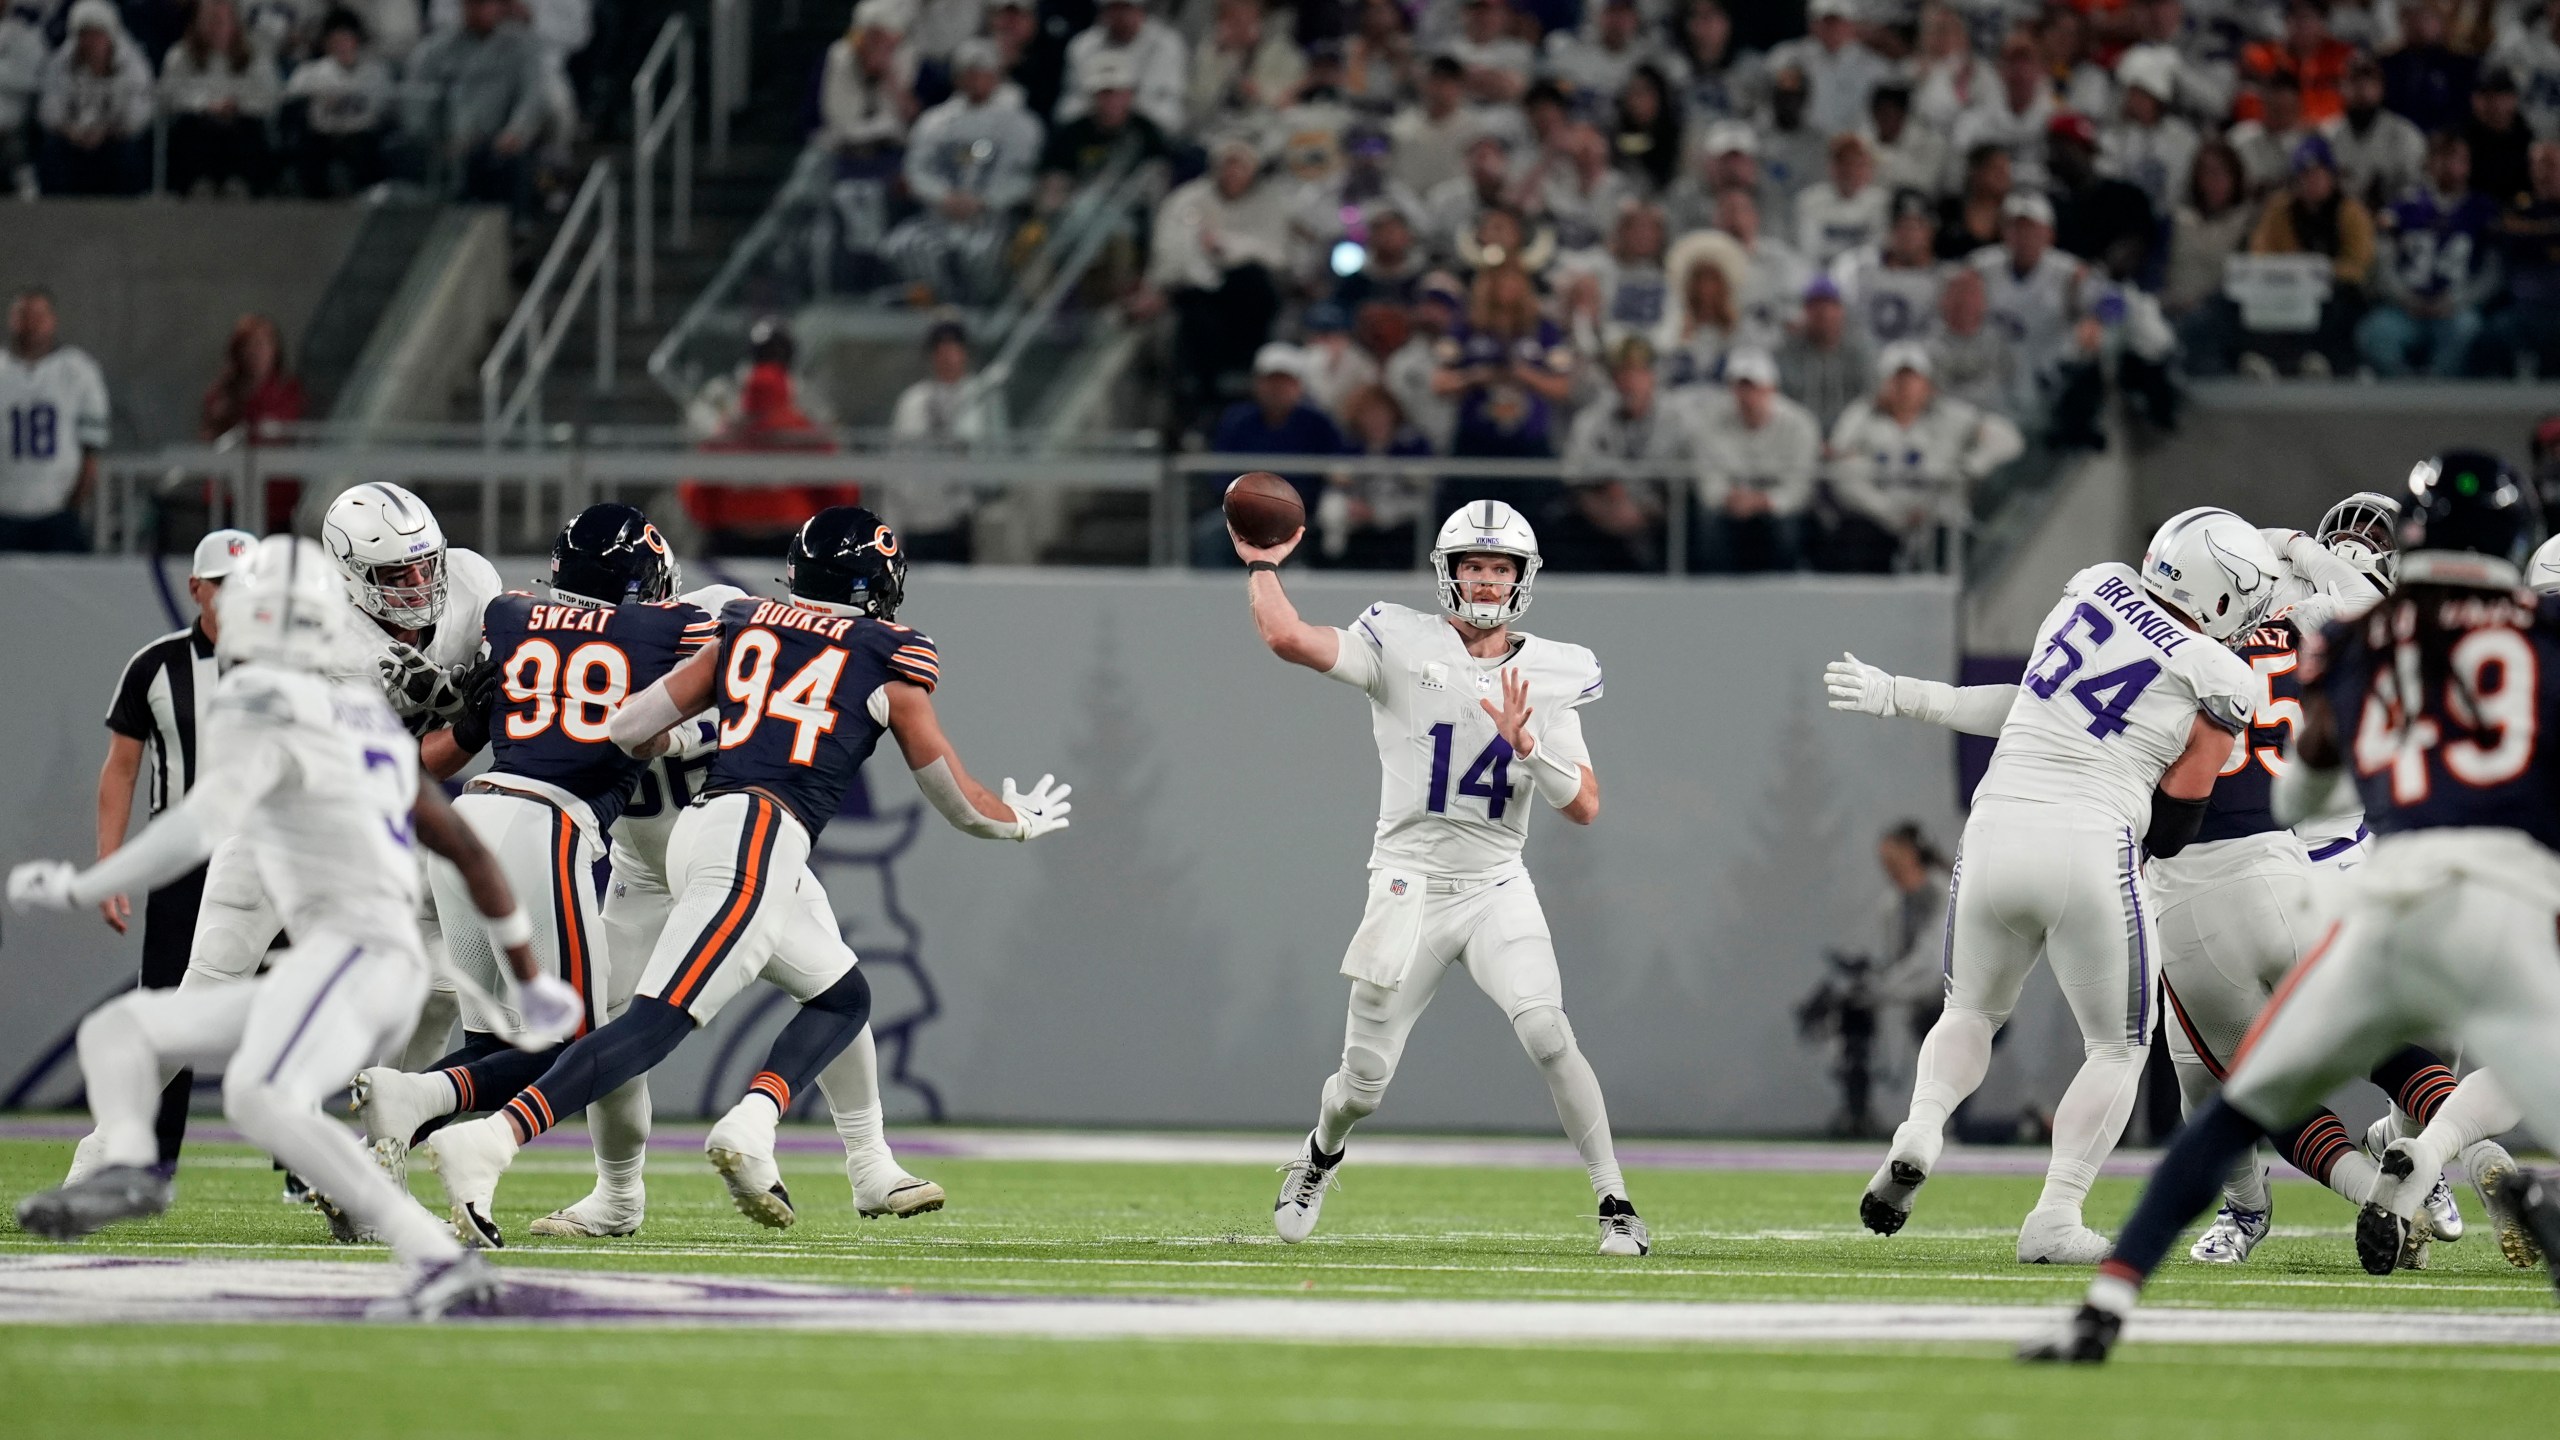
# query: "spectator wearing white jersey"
[[950, 410], [1840, 71], [1595, 62], [2379, 154], [1908, 156], [1728, 154], [1758, 456], [1155, 52], [2034, 288], [219, 91], [2149, 146], [1431, 134], [1611, 515], [22, 55], [971, 162], [1497, 61], [2532, 55], [1846, 213], [95, 105], [1246, 68], [1906, 459], [1969, 358], [54, 402], [2013, 115], [340, 100], [1891, 287], [1219, 243]]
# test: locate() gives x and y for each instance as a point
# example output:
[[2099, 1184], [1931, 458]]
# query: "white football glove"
[[551, 1009], [1040, 809], [694, 739], [42, 885], [415, 686], [1856, 685]]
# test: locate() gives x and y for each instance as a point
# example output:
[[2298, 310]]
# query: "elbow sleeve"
[[649, 713], [2174, 823], [942, 789]]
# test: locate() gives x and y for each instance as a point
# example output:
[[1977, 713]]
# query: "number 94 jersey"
[[2108, 700], [1450, 800], [2418, 766], [803, 700], [562, 670]]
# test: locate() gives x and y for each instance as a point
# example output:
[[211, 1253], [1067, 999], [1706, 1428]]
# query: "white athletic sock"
[[2356, 1179], [123, 1075], [2089, 1121], [2476, 1110], [1952, 1062], [618, 1131], [851, 1084], [1576, 1090]]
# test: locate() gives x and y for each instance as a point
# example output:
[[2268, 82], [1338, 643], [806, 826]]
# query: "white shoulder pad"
[[2087, 581], [710, 598], [470, 583], [1570, 666]]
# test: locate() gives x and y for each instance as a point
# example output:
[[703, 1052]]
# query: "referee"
[[152, 727]]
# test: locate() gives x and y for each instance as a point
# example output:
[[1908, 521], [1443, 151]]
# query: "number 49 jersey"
[[2416, 764], [2108, 701], [1449, 802], [562, 670], [802, 697]]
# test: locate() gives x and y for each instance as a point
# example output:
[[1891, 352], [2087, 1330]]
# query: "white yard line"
[[77, 1289]]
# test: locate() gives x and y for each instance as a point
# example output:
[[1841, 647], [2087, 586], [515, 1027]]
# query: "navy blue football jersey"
[[794, 691], [2471, 751], [2242, 799], [561, 671]]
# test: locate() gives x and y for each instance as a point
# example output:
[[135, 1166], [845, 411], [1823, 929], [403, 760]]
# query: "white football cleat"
[[1622, 1231], [882, 1187], [740, 1147], [391, 1105], [2443, 1216], [470, 1158], [87, 1159], [2056, 1236], [2234, 1233], [2490, 1168], [1303, 1182], [594, 1218], [438, 1287], [1887, 1203]]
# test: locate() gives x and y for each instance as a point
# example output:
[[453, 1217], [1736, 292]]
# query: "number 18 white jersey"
[[53, 409], [1449, 801], [2107, 704]]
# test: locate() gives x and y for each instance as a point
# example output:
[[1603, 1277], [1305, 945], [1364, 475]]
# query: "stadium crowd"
[[1846, 273], [319, 98]]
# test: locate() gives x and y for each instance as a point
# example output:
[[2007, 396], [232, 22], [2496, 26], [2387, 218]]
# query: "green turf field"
[[1020, 1227]]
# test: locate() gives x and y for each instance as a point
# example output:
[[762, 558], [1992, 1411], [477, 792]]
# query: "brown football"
[[1264, 509]]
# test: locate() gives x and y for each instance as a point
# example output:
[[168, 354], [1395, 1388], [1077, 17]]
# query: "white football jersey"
[[1448, 801], [668, 785], [334, 839], [51, 411], [2107, 704]]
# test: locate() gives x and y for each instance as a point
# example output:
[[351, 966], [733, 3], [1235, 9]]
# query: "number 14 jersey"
[[1451, 800], [2109, 698]]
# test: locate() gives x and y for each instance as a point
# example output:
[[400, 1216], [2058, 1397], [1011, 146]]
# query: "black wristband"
[[1252, 565]]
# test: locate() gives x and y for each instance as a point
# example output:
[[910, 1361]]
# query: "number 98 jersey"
[[2109, 698], [562, 670], [796, 689], [2417, 766]]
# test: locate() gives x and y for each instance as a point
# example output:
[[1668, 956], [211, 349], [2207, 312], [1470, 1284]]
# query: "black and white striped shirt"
[[161, 701]]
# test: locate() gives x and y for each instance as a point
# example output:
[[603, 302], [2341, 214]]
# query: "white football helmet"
[[2215, 568], [286, 605], [2542, 572], [2364, 531], [391, 549], [1485, 527]]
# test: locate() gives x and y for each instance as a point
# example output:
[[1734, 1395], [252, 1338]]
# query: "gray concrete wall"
[[152, 288], [1172, 957]]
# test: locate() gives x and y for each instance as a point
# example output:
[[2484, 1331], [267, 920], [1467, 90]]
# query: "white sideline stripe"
[[888, 1253], [62, 1289]]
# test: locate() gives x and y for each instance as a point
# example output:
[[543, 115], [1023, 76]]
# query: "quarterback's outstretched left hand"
[[551, 1010], [42, 885], [1856, 685], [1040, 809]]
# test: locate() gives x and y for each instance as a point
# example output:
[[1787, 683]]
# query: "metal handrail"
[[808, 176], [1085, 232], [729, 72], [660, 125], [591, 230]]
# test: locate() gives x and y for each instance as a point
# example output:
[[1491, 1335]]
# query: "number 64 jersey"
[[2107, 704], [1448, 802]]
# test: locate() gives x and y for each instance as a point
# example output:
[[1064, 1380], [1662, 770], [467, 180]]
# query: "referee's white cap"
[[219, 553]]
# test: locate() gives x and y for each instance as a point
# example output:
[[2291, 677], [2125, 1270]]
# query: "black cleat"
[[2381, 1237], [475, 1228], [118, 1192], [1880, 1214], [2537, 1203], [2086, 1340], [343, 1228]]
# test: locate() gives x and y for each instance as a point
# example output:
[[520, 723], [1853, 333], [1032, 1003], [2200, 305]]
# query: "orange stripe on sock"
[[774, 1087], [461, 1079]]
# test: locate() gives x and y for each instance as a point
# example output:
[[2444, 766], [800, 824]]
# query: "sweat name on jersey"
[[795, 692], [561, 671]]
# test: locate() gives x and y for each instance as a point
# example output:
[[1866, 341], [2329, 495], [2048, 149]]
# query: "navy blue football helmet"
[[611, 553], [2468, 519], [848, 556]]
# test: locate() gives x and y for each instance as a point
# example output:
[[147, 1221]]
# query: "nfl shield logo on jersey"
[[1395, 887]]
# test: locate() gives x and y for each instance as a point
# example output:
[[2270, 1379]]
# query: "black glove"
[[479, 686]]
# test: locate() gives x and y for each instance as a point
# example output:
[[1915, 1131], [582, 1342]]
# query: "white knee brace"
[[1545, 1034]]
